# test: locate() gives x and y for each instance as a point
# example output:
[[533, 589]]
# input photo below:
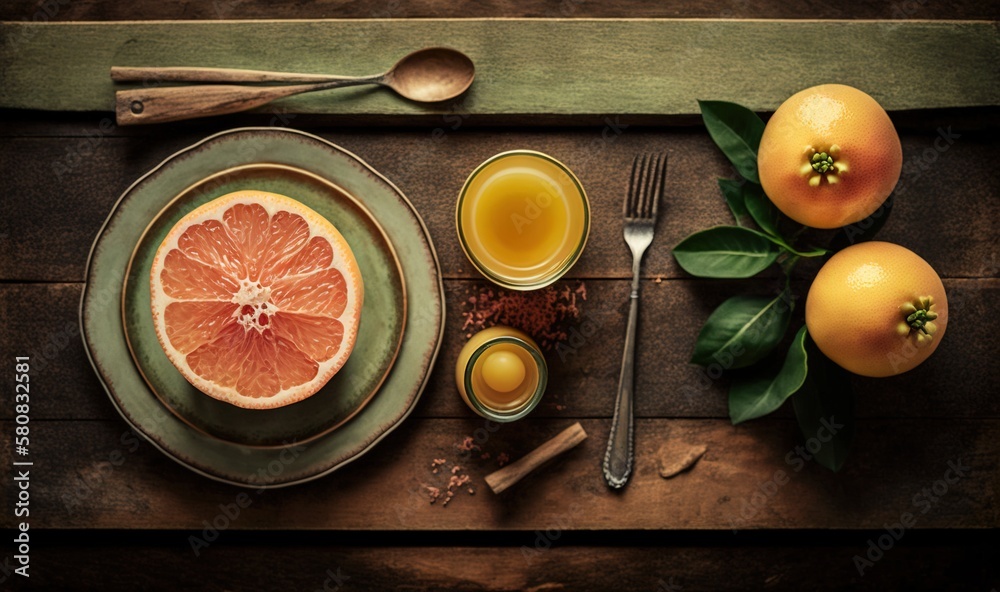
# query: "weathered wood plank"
[[98, 10], [41, 320], [98, 475], [55, 204], [535, 66], [16, 123], [825, 568]]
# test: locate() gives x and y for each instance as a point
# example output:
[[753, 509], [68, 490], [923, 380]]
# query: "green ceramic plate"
[[300, 443], [383, 315]]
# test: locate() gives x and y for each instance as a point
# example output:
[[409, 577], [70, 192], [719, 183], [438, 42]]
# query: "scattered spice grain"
[[544, 314]]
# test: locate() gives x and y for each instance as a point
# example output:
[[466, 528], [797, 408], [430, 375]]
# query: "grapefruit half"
[[256, 299]]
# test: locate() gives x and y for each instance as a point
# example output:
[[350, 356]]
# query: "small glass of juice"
[[523, 219], [501, 374]]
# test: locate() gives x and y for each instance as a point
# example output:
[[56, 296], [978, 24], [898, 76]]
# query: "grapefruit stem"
[[919, 316], [821, 162]]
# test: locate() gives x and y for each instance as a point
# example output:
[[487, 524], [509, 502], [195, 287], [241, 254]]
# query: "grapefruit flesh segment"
[[256, 299]]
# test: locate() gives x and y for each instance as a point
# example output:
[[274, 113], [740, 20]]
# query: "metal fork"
[[644, 194]]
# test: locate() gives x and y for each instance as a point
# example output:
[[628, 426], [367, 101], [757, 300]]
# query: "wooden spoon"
[[427, 75]]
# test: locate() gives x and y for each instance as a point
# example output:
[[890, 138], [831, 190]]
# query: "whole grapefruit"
[[877, 309], [829, 156]]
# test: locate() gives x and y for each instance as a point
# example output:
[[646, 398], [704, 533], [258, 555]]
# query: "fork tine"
[[647, 205], [646, 186], [661, 178], [627, 206], [640, 188], [650, 197]]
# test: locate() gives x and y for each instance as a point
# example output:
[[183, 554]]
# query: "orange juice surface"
[[522, 218]]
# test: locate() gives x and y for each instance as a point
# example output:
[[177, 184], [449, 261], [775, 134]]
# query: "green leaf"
[[763, 212], [726, 252], [737, 131], [809, 253], [812, 252], [754, 397], [742, 330], [824, 407], [732, 190], [863, 230]]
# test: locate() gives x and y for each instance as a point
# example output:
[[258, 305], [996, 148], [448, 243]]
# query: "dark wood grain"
[[958, 381], [102, 10], [96, 474], [71, 184], [61, 173], [826, 567]]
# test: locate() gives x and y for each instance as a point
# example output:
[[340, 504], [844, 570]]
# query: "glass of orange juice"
[[523, 219]]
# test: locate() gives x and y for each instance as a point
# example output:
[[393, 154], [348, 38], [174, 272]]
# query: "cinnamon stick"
[[514, 472]]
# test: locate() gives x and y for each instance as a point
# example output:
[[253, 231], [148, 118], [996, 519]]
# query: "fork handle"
[[619, 456]]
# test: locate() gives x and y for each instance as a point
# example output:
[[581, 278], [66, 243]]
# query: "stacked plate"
[[401, 322]]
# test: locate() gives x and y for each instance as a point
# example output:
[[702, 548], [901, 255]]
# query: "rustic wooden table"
[[108, 511]]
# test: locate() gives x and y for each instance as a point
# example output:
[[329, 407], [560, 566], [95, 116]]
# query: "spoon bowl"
[[431, 75]]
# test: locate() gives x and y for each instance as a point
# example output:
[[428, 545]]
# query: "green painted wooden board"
[[527, 66]]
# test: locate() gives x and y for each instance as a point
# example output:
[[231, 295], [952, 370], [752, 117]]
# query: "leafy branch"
[[743, 332]]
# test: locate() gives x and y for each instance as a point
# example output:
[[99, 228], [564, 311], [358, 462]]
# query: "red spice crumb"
[[457, 481], [560, 407], [544, 314], [484, 456], [502, 459], [468, 445]]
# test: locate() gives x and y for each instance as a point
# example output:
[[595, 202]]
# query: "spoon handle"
[[175, 103], [185, 74]]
